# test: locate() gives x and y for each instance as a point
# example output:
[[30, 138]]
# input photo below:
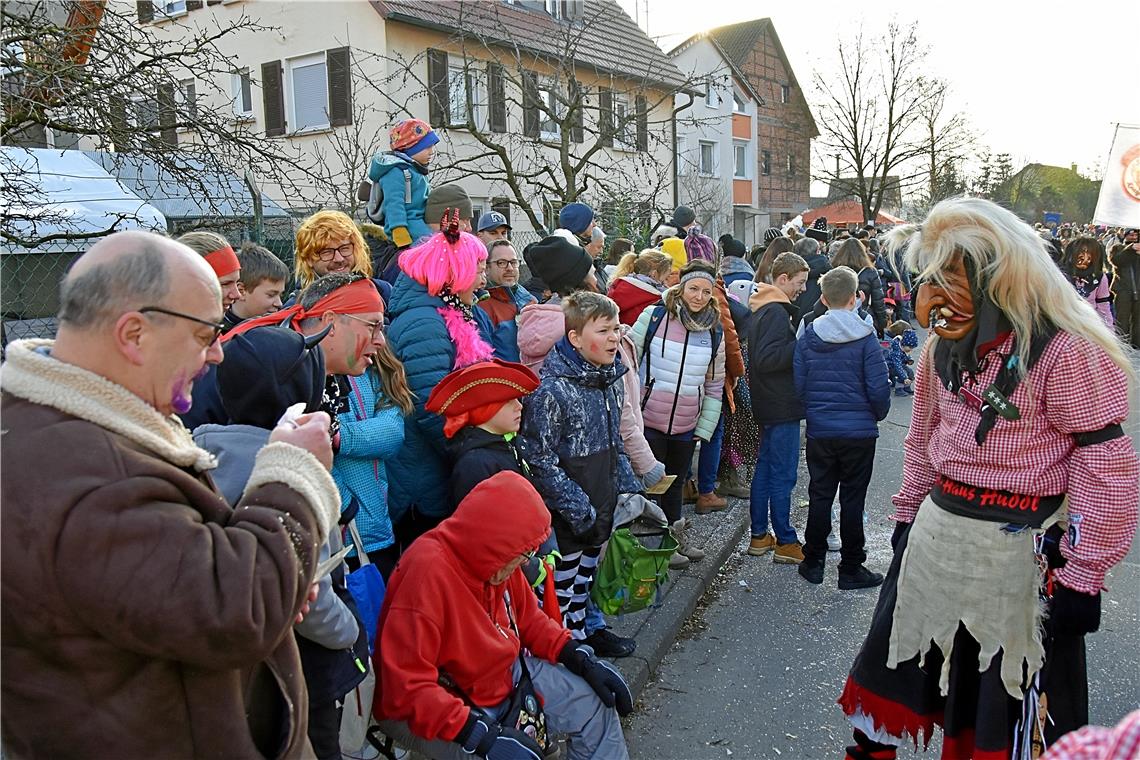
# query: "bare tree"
[[98, 75], [871, 106], [573, 121], [946, 143], [343, 158]]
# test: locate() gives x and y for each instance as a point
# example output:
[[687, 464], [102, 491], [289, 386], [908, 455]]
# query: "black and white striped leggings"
[[573, 578]]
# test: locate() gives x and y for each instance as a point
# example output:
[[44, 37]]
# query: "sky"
[[1043, 81]]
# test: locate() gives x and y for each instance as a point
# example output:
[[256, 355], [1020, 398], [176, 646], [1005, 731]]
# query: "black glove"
[[1073, 613], [485, 738], [1051, 546], [900, 529], [603, 678]]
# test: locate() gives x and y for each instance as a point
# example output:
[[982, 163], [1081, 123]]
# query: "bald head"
[[126, 271]]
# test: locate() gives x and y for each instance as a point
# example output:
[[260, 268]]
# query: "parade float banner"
[[1119, 201]]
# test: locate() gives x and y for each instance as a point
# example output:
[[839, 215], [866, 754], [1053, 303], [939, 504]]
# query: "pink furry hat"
[[437, 263]]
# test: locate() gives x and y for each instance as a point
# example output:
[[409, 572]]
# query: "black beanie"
[[267, 370], [561, 264], [733, 247]]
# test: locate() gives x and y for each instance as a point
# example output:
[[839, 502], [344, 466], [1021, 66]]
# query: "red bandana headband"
[[223, 261], [360, 297]]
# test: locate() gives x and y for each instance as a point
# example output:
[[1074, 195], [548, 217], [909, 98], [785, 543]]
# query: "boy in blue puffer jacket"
[[841, 377]]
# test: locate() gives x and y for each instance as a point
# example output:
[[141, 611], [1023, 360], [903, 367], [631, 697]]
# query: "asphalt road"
[[758, 668]]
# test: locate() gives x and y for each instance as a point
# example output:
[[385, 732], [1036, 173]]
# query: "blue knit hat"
[[910, 339], [575, 217]]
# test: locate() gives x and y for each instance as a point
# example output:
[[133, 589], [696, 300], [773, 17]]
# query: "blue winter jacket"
[[388, 168], [418, 475], [368, 437], [841, 377], [571, 436]]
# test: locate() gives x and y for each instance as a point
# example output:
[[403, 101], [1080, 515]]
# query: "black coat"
[[870, 283], [818, 265], [771, 346], [479, 455]]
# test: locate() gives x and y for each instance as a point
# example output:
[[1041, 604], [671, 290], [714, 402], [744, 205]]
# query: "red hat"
[[411, 136], [474, 394]]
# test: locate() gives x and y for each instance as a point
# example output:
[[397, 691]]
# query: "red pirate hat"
[[472, 395]]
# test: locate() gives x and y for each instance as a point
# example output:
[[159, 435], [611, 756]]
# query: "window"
[[169, 8], [306, 82], [242, 93], [765, 162], [791, 165], [738, 104], [740, 160], [465, 87], [549, 127], [143, 113], [707, 165], [682, 161], [563, 10], [785, 94], [711, 99], [623, 123], [186, 101]]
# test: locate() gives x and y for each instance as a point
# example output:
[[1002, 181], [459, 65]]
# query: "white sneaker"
[[834, 544]]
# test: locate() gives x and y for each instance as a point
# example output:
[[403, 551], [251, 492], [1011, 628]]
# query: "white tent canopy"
[[50, 191]]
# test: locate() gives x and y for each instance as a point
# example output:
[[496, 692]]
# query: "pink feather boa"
[[470, 347]]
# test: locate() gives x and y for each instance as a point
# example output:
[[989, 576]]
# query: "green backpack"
[[630, 573]]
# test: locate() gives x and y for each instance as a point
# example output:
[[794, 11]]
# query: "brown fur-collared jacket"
[[143, 616]]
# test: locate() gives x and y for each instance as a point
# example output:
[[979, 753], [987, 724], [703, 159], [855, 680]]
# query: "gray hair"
[[129, 281], [805, 247], [597, 235], [663, 231]]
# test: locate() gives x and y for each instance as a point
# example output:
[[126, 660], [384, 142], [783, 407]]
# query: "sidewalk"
[[655, 629]]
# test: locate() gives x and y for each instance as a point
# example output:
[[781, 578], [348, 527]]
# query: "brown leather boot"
[[689, 491], [710, 502]]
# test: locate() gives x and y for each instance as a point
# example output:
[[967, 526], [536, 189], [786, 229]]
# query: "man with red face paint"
[[1019, 494]]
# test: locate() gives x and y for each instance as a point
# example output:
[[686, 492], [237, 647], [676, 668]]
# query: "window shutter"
[[497, 98], [642, 123], [503, 206], [145, 10], [167, 114], [120, 130], [193, 5], [606, 116], [339, 62], [213, 2], [531, 115], [273, 99], [437, 88], [578, 103]]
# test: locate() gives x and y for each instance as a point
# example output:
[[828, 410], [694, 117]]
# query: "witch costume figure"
[[1019, 494]]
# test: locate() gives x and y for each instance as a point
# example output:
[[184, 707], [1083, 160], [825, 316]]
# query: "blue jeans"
[[708, 461], [777, 465], [595, 621]]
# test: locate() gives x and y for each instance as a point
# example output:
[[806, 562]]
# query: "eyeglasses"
[[218, 327], [376, 328], [506, 263], [345, 251]]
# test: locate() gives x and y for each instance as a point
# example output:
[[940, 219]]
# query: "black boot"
[[608, 644], [858, 577], [811, 571]]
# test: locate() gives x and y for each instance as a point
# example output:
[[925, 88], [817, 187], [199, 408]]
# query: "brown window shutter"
[[167, 114], [578, 103], [606, 116], [120, 130], [213, 2], [339, 62], [497, 98], [193, 5], [437, 88], [503, 206], [273, 99], [642, 123], [531, 115], [145, 10]]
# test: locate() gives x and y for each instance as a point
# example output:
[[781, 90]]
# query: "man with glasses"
[[505, 299], [133, 594]]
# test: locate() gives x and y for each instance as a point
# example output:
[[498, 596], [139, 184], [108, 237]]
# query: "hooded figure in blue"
[[571, 436]]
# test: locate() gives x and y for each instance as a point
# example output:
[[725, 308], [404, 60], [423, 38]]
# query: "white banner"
[[1119, 201]]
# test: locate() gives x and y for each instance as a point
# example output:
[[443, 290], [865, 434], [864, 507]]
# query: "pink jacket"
[[541, 325], [1100, 299], [632, 424]]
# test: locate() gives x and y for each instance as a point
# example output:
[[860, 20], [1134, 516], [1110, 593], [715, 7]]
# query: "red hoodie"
[[441, 613]]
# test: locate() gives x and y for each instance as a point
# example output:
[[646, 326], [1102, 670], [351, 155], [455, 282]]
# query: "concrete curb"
[[656, 629]]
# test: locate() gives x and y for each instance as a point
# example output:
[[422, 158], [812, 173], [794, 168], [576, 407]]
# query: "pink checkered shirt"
[[1073, 388], [1098, 743]]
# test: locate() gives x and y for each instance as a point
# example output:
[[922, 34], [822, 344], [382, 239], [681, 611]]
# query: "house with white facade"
[[717, 158]]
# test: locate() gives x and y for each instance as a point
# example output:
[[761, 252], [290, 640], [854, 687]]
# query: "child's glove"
[[401, 237]]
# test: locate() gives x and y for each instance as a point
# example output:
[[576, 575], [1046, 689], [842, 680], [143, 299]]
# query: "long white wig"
[[1013, 262]]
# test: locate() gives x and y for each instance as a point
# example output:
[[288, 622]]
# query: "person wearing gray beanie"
[[444, 197]]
